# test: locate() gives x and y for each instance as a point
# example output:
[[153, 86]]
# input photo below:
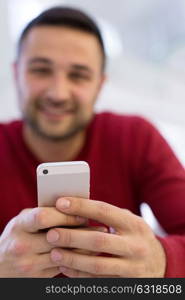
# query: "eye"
[[76, 76], [40, 70]]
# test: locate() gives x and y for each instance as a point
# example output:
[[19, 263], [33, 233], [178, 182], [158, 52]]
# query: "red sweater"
[[130, 163]]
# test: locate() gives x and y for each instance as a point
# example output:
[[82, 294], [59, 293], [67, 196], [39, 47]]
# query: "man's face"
[[58, 78]]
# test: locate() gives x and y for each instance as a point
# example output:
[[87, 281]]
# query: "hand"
[[133, 249], [24, 250]]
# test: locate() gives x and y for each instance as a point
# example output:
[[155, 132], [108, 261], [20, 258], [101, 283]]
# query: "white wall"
[[8, 105]]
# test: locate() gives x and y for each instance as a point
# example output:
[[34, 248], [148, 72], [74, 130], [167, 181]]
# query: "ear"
[[102, 81], [15, 70]]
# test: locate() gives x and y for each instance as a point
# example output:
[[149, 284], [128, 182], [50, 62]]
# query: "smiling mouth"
[[56, 112]]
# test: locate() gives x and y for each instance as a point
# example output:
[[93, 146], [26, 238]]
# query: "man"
[[59, 72]]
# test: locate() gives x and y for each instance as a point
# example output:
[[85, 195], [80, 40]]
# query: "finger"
[[35, 265], [96, 265], [95, 228], [44, 261], [78, 274], [48, 273], [39, 218], [37, 243], [87, 252], [102, 212], [74, 273], [92, 241]]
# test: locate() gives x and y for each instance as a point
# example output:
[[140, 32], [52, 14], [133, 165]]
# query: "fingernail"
[[56, 256], [63, 203], [52, 236]]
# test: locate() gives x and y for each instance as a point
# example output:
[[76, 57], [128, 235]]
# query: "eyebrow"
[[80, 67], [39, 60], [77, 67]]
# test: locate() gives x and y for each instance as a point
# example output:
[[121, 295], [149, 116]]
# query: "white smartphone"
[[57, 179]]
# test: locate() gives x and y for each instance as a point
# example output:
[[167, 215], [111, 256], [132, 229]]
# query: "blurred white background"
[[145, 43]]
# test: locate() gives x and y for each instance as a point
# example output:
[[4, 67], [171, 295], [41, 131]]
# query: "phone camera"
[[45, 171]]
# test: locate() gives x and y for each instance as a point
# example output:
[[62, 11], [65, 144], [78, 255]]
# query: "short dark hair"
[[68, 17]]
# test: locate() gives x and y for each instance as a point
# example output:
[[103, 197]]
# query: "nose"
[[59, 89]]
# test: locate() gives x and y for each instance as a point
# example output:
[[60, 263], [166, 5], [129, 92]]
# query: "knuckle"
[[141, 250], [12, 225], [117, 269], [18, 248], [25, 211], [66, 238], [103, 209], [70, 220], [127, 211], [24, 268], [40, 217], [140, 225], [69, 259], [98, 268], [100, 241], [138, 272]]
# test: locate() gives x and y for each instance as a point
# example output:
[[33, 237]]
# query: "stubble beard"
[[77, 126]]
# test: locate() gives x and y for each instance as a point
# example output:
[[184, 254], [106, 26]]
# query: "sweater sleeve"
[[174, 246], [160, 183]]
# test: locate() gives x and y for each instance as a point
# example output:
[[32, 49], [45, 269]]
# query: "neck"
[[48, 151]]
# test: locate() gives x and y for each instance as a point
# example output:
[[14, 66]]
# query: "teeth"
[[54, 111]]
